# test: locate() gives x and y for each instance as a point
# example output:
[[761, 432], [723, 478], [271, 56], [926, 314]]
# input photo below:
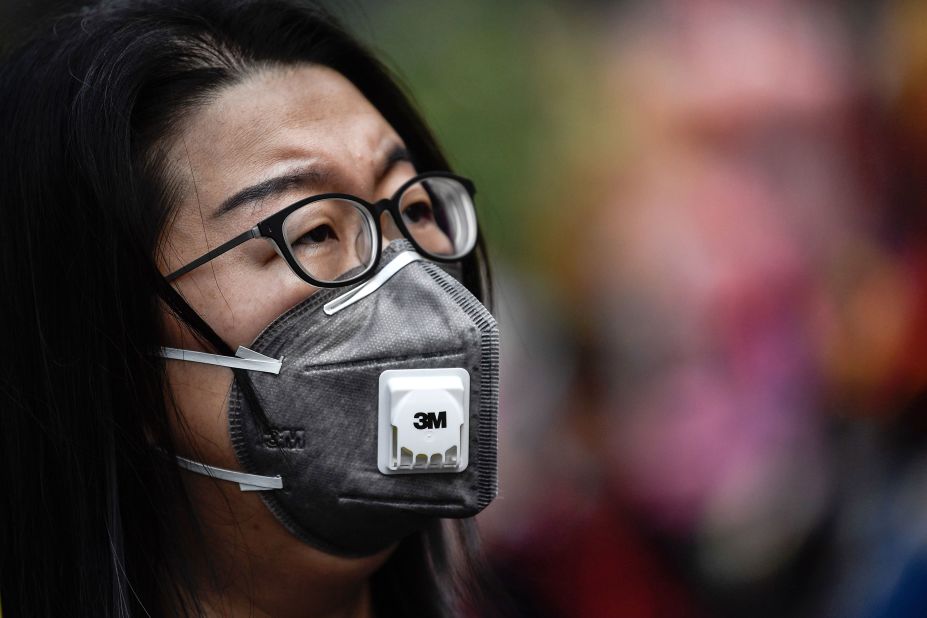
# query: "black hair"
[[88, 510]]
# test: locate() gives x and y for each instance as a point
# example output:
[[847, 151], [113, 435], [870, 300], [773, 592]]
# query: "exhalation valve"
[[424, 421]]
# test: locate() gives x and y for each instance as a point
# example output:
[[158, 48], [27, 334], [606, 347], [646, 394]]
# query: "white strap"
[[246, 482], [243, 359], [373, 284]]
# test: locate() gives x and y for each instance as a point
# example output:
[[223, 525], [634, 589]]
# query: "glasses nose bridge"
[[380, 206], [385, 205]]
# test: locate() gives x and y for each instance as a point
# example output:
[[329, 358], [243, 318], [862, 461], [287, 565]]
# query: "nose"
[[389, 229]]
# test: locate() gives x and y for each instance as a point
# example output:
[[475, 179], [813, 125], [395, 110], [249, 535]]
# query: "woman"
[[237, 380]]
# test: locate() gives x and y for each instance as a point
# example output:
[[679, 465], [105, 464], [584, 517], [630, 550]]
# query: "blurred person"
[[756, 314], [720, 236], [700, 468], [226, 232]]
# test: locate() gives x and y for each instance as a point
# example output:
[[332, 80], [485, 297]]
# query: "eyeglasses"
[[334, 239]]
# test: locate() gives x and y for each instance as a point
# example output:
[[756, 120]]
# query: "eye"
[[418, 212], [318, 235]]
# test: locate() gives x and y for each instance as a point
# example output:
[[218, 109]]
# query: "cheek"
[[239, 298], [199, 425]]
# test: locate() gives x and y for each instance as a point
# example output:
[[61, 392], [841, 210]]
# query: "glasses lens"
[[332, 240], [438, 212]]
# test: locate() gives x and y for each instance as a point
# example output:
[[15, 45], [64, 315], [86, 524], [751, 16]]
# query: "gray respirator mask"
[[381, 405]]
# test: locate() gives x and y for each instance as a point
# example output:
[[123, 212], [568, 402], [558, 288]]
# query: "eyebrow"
[[301, 176]]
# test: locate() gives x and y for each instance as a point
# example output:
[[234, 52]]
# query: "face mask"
[[382, 404]]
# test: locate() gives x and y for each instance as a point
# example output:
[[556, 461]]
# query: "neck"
[[337, 602]]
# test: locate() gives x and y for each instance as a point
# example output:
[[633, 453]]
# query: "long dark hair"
[[88, 507]]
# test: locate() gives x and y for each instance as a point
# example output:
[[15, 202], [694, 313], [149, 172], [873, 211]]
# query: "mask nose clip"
[[373, 284]]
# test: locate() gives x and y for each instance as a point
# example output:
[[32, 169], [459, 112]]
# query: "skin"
[[274, 121]]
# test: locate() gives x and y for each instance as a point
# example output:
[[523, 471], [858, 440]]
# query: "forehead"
[[272, 119]]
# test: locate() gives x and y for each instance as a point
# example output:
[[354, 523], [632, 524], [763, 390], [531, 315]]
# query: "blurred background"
[[708, 221], [708, 226]]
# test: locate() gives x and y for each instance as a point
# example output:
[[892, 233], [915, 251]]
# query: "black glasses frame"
[[272, 229]]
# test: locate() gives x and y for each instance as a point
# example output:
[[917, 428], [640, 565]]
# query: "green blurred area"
[[508, 89]]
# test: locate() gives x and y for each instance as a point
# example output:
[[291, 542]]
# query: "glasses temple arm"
[[252, 233]]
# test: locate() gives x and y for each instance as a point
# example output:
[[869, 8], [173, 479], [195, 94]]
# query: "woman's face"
[[307, 126], [310, 127]]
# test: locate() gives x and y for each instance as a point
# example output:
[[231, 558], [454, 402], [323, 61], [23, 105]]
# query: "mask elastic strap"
[[373, 284], [246, 482], [243, 359]]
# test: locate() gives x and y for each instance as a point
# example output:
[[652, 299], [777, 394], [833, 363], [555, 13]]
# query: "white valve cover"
[[424, 421]]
